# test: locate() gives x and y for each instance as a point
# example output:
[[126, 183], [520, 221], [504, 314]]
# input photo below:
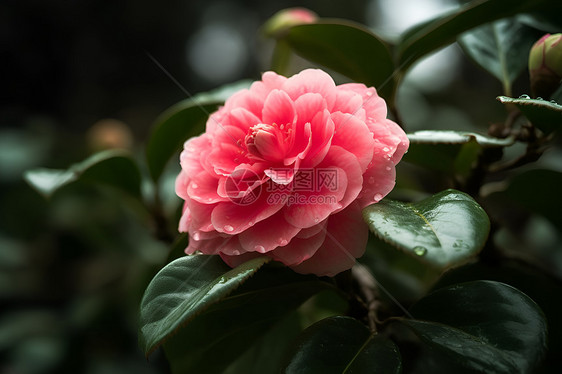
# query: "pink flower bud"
[[287, 18], [545, 65], [266, 142]]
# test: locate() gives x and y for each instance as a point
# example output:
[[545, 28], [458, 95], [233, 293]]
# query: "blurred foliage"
[[74, 267]]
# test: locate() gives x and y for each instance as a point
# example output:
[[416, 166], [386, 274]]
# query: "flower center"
[[266, 142]]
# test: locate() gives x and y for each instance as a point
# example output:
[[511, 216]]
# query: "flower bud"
[[286, 18], [545, 65], [266, 142]]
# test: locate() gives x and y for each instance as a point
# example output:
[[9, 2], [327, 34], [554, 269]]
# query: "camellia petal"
[[346, 238], [359, 141], [269, 234]]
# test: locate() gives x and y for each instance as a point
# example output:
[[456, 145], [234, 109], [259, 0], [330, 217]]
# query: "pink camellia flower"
[[286, 18], [284, 170]]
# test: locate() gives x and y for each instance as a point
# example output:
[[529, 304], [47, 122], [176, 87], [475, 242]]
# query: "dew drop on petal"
[[259, 248], [420, 251], [194, 185], [386, 149], [377, 197], [236, 252], [251, 223], [228, 228], [388, 168], [316, 219], [196, 235], [283, 242]]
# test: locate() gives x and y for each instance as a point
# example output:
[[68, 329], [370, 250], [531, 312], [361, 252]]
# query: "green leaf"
[[445, 230], [220, 335], [343, 345], [112, 167], [185, 288], [443, 30], [483, 326], [502, 48], [402, 275], [182, 121], [349, 49], [544, 115], [449, 151], [534, 283]]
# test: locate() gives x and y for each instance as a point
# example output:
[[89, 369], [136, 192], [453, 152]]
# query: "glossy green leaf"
[[182, 121], [342, 345], [348, 48], [544, 115], [534, 282], [185, 288], [221, 334], [502, 48], [112, 167], [402, 275], [443, 30], [445, 230], [482, 326], [449, 151]]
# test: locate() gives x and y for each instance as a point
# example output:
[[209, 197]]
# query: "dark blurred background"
[[73, 268]]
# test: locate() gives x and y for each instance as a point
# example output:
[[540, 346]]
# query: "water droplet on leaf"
[[524, 97], [420, 251]]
